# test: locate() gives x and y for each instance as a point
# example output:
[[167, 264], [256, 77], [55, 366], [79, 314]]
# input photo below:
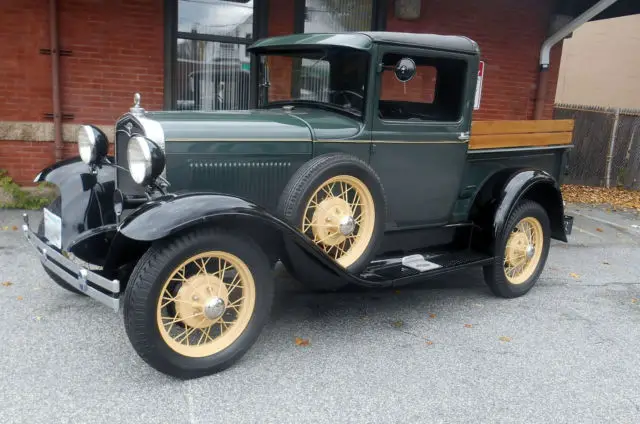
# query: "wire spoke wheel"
[[340, 218], [206, 303], [523, 250]]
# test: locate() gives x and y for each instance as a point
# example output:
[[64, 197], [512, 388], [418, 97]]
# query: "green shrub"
[[13, 196]]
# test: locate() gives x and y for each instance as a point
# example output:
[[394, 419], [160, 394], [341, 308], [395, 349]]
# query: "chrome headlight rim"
[[146, 160], [92, 144]]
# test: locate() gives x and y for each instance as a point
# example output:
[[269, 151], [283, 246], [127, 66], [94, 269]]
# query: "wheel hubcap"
[[530, 251], [214, 308], [347, 225]]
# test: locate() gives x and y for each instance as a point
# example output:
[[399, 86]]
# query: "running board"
[[406, 269]]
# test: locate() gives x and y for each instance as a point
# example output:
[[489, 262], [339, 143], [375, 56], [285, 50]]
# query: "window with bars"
[[212, 68], [331, 16]]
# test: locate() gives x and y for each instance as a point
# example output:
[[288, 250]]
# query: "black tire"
[[147, 281], [313, 174], [56, 207], [494, 275]]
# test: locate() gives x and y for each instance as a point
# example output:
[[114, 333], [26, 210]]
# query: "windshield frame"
[[319, 53]]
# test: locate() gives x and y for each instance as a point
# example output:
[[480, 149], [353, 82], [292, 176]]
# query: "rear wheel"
[[521, 251], [195, 304]]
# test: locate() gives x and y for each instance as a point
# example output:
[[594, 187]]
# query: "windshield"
[[330, 78]]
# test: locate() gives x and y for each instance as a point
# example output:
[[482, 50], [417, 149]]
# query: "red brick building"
[[168, 49]]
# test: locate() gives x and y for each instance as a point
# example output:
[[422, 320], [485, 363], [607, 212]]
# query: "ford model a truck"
[[360, 166]]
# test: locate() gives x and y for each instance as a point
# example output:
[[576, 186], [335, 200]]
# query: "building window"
[[212, 69], [330, 16], [207, 39]]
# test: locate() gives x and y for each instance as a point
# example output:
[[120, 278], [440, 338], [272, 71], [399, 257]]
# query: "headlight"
[[146, 160], [92, 144]]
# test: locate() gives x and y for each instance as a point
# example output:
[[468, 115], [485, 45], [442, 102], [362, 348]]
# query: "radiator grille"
[[126, 128], [257, 180]]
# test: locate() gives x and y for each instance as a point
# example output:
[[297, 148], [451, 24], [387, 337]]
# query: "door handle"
[[464, 136]]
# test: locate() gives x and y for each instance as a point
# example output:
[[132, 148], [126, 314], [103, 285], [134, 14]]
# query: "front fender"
[[536, 185], [86, 197], [173, 213]]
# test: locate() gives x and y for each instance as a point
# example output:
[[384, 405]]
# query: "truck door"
[[420, 131]]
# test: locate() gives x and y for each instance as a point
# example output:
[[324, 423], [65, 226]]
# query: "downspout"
[[545, 51], [55, 79]]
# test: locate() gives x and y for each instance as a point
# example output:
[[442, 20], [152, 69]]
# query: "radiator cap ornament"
[[136, 109]]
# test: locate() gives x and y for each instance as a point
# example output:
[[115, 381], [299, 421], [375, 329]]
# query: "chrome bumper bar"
[[75, 275]]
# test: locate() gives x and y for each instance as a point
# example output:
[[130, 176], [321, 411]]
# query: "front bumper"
[[88, 282]]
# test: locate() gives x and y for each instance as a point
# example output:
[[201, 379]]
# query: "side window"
[[435, 92]]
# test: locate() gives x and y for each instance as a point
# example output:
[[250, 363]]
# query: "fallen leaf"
[[432, 315], [302, 342], [19, 298], [574, 275], [5, 228], [7, 283], [615, 197], [14, 228], [399, 323], [397, 291], [429, 342], [634, 300], [468, 325], [505, 339], [599, 230], [38, 318]]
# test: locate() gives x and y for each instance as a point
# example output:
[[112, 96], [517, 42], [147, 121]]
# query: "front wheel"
[[196, 303], [520, 252]]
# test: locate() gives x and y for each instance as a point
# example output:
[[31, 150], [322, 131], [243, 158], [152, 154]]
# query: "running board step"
[[404, 269]]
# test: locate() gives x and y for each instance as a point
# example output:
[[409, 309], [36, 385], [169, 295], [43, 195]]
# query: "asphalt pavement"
[[445, 350]]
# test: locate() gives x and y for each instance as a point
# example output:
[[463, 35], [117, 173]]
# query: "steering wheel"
[[349, 95]]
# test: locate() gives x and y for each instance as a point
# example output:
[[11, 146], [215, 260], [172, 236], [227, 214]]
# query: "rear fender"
[[501, 193], [86, 197], [535, 185]]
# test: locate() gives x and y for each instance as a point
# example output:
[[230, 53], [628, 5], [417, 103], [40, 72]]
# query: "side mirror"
[[405, 69]]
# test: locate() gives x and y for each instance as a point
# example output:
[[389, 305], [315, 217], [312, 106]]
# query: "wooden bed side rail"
[[536, 133]]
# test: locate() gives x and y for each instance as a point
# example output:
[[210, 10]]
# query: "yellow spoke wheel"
[[523, 250], [206, 304], [340, 218]]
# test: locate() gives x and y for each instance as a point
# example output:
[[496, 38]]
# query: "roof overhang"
[[574, 8]]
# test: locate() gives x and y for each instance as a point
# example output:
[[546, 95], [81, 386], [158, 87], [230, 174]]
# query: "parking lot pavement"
[[442, 351]]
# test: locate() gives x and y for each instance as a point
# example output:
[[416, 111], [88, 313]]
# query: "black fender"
[[501, 193], [86, 196], [172, 214], [535, 185]]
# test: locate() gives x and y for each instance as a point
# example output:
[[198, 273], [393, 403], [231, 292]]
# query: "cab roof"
[[366, 40]]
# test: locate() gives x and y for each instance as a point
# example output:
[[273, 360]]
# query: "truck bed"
[[500, 145]]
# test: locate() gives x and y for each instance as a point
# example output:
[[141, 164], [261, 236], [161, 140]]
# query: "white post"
[[612, 143]]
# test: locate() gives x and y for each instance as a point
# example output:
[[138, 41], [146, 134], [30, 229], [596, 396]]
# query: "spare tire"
[[337, 201]]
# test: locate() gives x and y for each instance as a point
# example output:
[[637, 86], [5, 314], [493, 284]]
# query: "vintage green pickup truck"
[[360, 166]]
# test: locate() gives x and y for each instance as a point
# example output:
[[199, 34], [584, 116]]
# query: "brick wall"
[[117, 49], [25, 75]]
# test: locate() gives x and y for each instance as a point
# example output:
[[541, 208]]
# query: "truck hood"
[[301, 124]]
